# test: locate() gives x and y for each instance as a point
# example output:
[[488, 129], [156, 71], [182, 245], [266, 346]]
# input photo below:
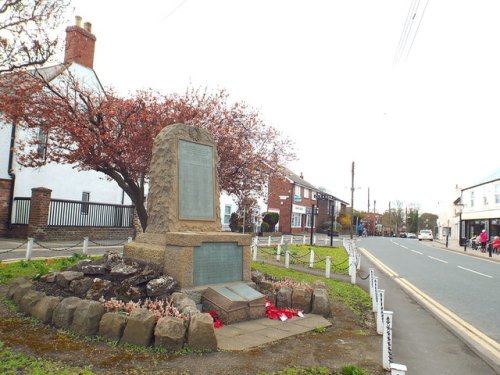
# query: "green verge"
[[299, 256], [351, 296], [13, 363], [33, 269]]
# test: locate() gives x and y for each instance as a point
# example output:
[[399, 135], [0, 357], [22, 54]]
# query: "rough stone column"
[[5, 186], [39, 212]]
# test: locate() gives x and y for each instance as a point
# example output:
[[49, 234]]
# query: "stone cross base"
[[196, 258]]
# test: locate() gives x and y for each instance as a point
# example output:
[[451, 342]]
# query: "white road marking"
[[479, 273], [404, 247], [418, 252], [439, 260]]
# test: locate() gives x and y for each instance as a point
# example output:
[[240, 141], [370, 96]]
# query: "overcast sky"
[[324, 73]]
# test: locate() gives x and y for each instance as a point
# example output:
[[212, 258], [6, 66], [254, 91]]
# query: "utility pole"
[[352, 199]]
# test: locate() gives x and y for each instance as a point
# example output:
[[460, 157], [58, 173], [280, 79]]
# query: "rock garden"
[[132, 302]]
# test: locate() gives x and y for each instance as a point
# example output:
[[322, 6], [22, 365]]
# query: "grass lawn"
[[299, 255]]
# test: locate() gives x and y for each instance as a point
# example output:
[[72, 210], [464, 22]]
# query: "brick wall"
[[38, 228], [5, 186]]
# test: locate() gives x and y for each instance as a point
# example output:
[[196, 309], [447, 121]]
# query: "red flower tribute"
[[281, 314], [217, 321]]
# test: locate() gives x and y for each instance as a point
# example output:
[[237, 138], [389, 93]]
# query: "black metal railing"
[[21, 211], [89, 214]]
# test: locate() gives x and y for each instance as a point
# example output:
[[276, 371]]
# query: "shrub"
[[271, 218]]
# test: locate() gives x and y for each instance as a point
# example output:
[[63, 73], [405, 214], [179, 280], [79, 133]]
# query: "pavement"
[[252, 333]]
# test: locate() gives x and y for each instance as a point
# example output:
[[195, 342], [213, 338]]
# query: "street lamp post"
[[460, 208]]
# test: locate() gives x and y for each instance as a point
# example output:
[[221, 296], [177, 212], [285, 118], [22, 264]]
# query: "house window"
[[85, 206], [497, 193], [472, 199], [296, 220], [227, 214], [308, 221], [306, 193], [297, 190], [42, 144], [313, 195]]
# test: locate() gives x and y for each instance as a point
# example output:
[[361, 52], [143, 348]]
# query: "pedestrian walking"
[[495, 245], [483, 237]]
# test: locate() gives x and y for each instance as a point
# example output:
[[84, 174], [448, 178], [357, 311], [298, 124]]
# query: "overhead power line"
[[411, 26]]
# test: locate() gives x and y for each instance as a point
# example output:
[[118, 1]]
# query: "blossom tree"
[[26, 27], [114, 135]]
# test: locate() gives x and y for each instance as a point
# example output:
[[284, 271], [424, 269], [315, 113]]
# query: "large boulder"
[[98, 289], [112, 325], [64, 312], [320, 302], [122, 270], [18, 288], [201, 333], [29, 300], [94, 269], [81, 286], [301, 299], [284, 298], [65, 278], [139, 328], [162, 286], [44, 309], [170, 333], [149, 272], [87, 317]]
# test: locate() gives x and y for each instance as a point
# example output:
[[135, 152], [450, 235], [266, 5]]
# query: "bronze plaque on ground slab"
[[234, 303]]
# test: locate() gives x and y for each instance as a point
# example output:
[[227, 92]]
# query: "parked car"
[[425, 234], [411, 235], [402, 235]]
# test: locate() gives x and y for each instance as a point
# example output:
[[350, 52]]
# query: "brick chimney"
[[80, 44]]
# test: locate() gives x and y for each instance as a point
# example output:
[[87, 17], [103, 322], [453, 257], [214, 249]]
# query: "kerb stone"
[[64, 312]]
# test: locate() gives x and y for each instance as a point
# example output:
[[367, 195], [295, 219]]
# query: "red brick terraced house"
[[292, 198]]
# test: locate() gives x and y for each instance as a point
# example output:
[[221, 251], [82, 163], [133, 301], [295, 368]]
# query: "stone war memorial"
[[184, 234]]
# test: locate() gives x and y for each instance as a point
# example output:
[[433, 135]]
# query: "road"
[[468, 286]]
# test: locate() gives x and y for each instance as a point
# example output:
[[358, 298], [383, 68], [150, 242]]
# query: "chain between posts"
[[111, 244], [58, 250], [15, 248], [389, 339]]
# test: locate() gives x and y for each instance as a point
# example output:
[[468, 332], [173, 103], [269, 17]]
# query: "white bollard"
[[278, 252], [254, 255], [375, 294], [311, 258], [380, 311], [130, 239], [29, 248], [352, 268], [86, 245], [387, 341], [303, 240], [282, 239], [291, 239], [372, 275], [397, 369], [269, 241], [358, 260], [328, 265], [287, 259], [314, 240]]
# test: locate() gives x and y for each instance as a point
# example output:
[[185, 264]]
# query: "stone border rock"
[[310, 300], [89, 318]]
